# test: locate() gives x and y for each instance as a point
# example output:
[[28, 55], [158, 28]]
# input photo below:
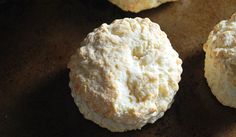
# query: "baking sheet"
[[37, 38]]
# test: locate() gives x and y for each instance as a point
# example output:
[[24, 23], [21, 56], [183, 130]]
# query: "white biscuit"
[[138, 5], [220, 61], [125, 74]]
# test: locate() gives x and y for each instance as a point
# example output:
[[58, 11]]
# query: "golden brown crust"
[[138, 5]]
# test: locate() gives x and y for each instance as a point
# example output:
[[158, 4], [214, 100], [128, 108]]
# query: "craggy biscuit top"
[[221, 47], [220, 62], [126, 71]]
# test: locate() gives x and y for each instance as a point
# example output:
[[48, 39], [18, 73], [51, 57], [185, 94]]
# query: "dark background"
[[37, 38]]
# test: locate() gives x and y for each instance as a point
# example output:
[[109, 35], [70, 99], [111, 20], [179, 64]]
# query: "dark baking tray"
[[37, 38]]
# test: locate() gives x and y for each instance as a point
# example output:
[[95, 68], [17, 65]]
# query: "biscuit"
[[220, 61], [125, 74], [138, 5]]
